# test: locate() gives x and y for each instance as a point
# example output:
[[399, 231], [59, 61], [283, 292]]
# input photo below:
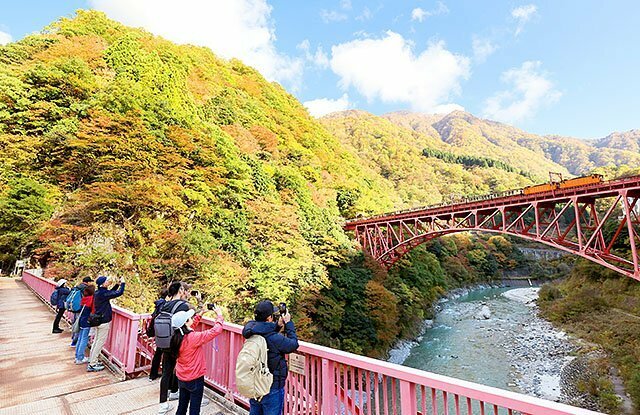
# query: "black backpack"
[[162, 326]]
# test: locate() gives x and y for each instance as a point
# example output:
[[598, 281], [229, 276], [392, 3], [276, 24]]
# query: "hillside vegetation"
[[472, 136]]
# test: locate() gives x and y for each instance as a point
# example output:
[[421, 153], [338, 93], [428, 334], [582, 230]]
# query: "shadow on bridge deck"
[[38, 375]]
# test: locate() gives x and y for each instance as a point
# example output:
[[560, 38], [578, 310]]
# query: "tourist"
[[103, 313], [157, 355], [83, 333], [177, 301], [58, 297], [69, 305], [278, 345], [188, 348]]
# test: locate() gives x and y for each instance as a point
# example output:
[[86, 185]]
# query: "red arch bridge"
[[598, 222]]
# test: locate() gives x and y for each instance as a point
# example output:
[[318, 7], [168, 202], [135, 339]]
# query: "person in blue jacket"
[[102, 307], [63, 292], [278, 345]]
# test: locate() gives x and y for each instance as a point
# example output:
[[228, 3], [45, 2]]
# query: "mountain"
[[628, 140], [397, 155], [158, 161], [470, 135]]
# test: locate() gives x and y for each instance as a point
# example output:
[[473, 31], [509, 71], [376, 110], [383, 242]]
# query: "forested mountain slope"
[[470, 135], [122, 152]]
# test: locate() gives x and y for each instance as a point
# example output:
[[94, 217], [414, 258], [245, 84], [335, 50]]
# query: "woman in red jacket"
[[188, 346]]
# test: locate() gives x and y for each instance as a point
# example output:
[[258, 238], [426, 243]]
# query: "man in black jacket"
[[278, 345], [102, 306]]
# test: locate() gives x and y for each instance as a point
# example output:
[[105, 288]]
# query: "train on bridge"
[[554, 184]]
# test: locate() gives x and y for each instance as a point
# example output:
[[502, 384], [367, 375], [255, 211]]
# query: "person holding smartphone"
[[187, 346], [102, 308]]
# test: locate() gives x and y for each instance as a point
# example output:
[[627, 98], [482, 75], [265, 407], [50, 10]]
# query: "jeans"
[[56, 322], [82, 341], [190, 395], [270, 404], [74, 336], [102, 332], [169, 380]]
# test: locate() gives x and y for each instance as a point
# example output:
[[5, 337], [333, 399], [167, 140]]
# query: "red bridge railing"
[[324, 380]]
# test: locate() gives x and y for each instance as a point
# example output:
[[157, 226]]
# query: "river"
[[492, 336]]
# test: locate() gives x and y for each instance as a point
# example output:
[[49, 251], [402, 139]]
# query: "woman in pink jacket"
[[188, 346]]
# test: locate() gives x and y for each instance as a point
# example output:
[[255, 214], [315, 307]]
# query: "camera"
[[194, 293], [279, 311], [211, 306]]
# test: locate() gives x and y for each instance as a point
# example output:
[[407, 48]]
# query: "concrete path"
[[38, 375]]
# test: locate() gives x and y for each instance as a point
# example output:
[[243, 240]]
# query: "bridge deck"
[[37, 373]]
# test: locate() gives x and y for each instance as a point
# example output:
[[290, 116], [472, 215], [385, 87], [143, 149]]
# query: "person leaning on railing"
[[102, 314]]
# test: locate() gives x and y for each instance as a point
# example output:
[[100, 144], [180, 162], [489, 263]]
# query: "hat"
[[61, 282], [87, 279], [263, 310], [101, 280], [180, 317]]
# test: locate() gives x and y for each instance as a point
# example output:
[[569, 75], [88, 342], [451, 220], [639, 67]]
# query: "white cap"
[[61, 282], [181, 317]]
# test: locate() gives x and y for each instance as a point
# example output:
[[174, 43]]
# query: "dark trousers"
[[169, 381], [155, 364], [270, 404], [190, 395], [56, 322]]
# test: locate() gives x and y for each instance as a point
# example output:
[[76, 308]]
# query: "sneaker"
[[72, 345], [164, 408], [56, 331], [95, 368], [173, 396], [80, 362], [205, 401]]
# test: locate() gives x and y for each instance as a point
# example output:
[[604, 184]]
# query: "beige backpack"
[[253, 378]]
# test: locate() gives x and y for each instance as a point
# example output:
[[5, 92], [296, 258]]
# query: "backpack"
[[162, 327], [54, 297], [253, 378], [72, 303]]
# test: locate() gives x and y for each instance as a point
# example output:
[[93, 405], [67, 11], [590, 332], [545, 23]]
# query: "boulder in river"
[[483, 314]]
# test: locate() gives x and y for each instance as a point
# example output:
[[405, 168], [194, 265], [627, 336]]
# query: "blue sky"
[[549, 67]]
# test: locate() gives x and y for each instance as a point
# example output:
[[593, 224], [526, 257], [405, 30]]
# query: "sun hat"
[[181, 317], [61, 282]]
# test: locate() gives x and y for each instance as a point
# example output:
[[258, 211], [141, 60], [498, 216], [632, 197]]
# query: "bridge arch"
[[568, 219]]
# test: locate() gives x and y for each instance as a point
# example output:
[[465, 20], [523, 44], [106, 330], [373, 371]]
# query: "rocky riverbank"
[[539, 352]]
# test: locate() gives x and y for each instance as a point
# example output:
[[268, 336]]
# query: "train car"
[[539, 188], [581, 181]]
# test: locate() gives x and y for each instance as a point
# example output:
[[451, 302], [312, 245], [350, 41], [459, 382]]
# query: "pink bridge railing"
[[324, 380]]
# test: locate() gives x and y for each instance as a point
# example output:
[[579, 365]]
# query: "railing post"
[[408, 401], [232, 372], [130, 364], [328, 387]]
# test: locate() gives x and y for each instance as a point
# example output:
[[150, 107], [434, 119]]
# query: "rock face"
[[483, 314]]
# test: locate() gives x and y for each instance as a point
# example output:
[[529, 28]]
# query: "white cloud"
[[366, 14], [319, 58], [324, 106], [329, 16], [420, 14], [241, 28], [388, 69], [522, 15], [530, 90], [5, 38], [482, 48]]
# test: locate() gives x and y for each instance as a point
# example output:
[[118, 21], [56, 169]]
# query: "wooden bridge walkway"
[[38, 374]]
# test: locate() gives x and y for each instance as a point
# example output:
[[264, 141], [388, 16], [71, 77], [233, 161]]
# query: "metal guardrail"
[[324, 380]]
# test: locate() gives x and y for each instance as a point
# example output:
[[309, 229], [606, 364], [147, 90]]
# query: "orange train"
[[563, 184]]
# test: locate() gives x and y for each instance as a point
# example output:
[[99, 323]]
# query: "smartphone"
[[194, 293], [211, 306]]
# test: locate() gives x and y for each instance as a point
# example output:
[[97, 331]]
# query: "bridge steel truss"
[[599, 222]]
